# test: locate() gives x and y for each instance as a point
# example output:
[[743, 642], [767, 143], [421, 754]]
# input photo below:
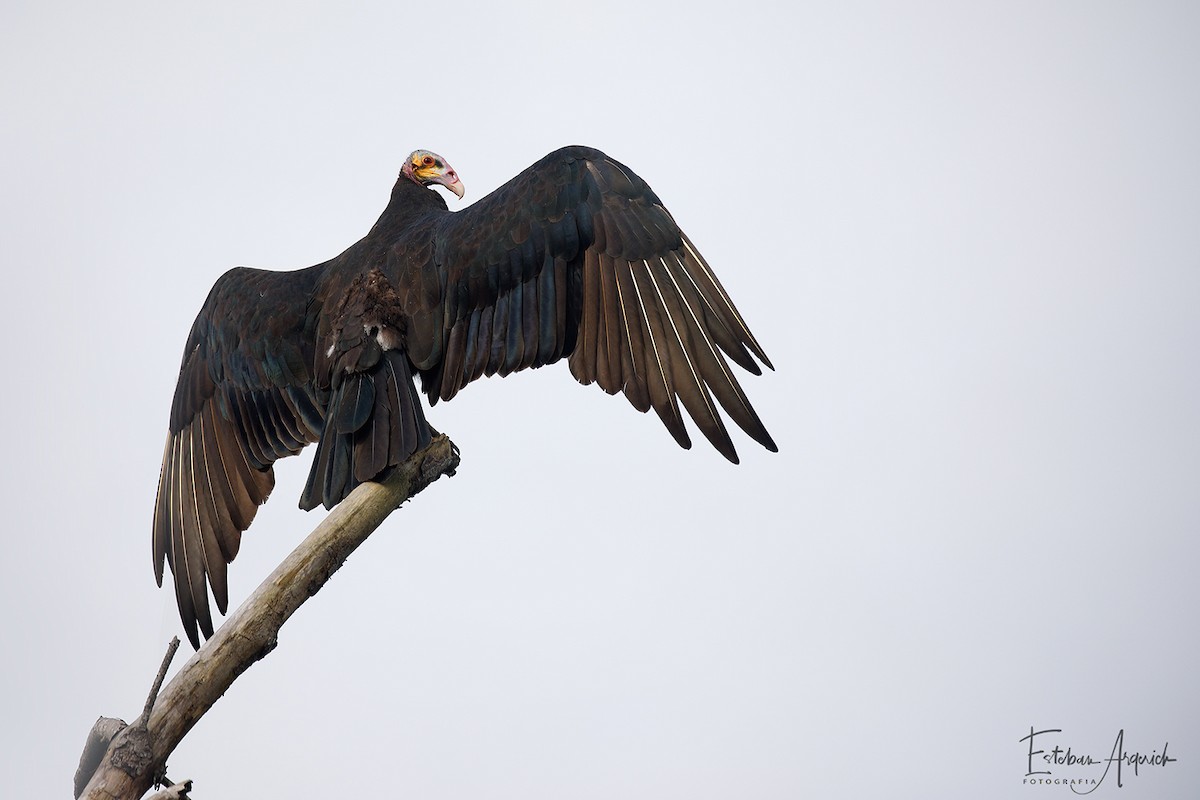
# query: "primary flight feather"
[[575, 257]]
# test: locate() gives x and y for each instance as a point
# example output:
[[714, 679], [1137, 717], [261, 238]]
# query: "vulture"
[[576, 257]]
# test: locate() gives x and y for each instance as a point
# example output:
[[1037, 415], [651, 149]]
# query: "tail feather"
[[374, 422]]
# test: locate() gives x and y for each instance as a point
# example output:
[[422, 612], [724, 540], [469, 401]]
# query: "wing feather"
[[546, 333], [207, 518], [191, 543], [635, 354], [499, 334], [482, 349], [689, 386], [715, 371], [514, 343], [660, 372], [220, 492], [718, 298], [588, 347], [608, 347]]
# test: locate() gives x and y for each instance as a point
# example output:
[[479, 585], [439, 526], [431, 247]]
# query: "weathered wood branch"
[[138, 753], [94, 750]]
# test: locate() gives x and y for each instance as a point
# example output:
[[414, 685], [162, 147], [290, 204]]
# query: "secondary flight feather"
[[575, 257]]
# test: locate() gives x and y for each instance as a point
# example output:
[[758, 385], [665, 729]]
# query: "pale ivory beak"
[[450, 180]]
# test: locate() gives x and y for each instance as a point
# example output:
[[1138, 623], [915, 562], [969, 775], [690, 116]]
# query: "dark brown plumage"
[[575, 257]]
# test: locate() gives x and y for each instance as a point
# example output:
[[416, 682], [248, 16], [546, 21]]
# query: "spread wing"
[[577, 257], [244, 399]]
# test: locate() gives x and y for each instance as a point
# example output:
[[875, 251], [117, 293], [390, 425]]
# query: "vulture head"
[[426, 168]]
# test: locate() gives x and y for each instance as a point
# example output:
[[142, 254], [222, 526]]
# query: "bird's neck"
[[410, 201]]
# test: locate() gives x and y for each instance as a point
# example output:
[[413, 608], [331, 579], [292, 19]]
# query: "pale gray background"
[[967, 234]]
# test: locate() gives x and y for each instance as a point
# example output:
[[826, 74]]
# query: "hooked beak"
[[450, 180]]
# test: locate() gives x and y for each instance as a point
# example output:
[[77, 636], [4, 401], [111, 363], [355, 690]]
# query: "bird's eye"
[[427, 161]]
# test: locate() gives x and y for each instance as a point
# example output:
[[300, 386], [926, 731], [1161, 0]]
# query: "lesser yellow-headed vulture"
[[573, 258]]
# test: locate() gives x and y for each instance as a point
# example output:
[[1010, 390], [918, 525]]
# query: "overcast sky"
[[968, 236]]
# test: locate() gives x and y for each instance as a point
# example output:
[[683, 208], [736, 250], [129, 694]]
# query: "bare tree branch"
[[138, 753], [162, 674]]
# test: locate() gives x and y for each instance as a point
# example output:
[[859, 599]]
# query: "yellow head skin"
[[426, 168]]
